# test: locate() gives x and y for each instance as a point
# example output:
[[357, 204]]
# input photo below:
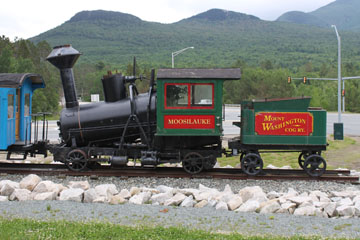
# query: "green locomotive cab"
[[189, 114]]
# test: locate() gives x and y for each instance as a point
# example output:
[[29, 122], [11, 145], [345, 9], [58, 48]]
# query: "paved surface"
[[351, 124]]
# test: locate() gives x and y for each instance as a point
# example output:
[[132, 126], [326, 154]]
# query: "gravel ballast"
[[206, 218]]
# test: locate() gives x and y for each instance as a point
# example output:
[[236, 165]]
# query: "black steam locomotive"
[[125, 126]]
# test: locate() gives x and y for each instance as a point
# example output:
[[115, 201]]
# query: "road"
[[351, 124]]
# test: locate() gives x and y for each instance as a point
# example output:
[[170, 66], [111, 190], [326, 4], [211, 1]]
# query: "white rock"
[[206, 195], [330, 209], [140, 198], [270, 166], [90, 195], [134, 191], [204, 189], [48, 186], [299, 200], [270, 206], [320, 205], [273, 195], [357, 211], [305, 211], [8, 187], [151, 190], [161, 198], [356, 199], [20, 195], [101, 199], [223, 197], [228, 189], [314, 198], [72, 194], [343, 194], [304, 194], [79, 184], [288, 205], [221, 206], [175, 200], [319, 194], [325, 199], [345, 202], [187, 191], [347, 211], [29, 182], [212, 203], [201, 204], [164, 189], [249, 206], [124, 193], [291, 193], [4, 198], [255, 192], [45, 196], [235, 202], [188, 202], [106, 190], [117, 199]]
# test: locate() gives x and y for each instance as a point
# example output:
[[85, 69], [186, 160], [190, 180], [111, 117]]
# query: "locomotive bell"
[[64, 57]]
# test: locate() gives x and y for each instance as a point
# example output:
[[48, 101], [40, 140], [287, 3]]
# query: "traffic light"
[[289, 79], [305, 80]]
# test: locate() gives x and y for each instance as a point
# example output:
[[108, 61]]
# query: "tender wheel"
[[315, 165], [76, 160], [209, 162], [252, 164], [302, 158], [193, 163]]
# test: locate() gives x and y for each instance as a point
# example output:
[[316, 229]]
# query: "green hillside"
[[302, 18], [345, 14], [220, 38]]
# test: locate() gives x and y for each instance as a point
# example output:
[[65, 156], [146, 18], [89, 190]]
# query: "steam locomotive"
[[179, 121]]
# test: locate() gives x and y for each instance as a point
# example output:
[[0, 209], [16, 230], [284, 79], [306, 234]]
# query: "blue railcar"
[[16, 91]]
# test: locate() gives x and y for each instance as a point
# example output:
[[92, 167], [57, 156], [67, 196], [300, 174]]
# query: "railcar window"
[[202, 95], [176, 95], [27, 105], [10, 106]]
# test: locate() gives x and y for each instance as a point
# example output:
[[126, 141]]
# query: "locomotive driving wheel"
[[193, 163], [315, 165], [76, 160], [252, 164]]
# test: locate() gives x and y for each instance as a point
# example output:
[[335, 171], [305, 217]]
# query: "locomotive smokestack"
[[64, 58]]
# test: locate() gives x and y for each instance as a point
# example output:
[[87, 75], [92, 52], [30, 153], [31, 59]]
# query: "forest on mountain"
[[266, 52]]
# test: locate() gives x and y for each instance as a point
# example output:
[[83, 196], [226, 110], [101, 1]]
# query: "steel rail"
[[174, 172]]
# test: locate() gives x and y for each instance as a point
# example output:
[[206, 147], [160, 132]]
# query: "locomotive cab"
[[189, 114]]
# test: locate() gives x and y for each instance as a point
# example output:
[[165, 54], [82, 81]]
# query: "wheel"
[[301, 159], [76, 160], [193, 163], [252, 164], [303, 156], [209, 162], [315, 165]]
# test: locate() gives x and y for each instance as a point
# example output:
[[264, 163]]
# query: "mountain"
[[345, 14], [302, 18], [220, 38]]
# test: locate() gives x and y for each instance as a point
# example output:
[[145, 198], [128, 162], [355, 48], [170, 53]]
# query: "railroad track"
[[174, 172]]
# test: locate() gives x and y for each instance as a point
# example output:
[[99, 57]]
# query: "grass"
[[31, 229], [291, 159]]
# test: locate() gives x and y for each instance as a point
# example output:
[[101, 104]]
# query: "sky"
[[25, 18]]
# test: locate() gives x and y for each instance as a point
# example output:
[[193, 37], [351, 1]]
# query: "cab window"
[[189, 95], [27, 105]]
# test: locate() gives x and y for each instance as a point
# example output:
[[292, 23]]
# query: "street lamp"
[[338, 128], [177, 53], [339, 72]]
